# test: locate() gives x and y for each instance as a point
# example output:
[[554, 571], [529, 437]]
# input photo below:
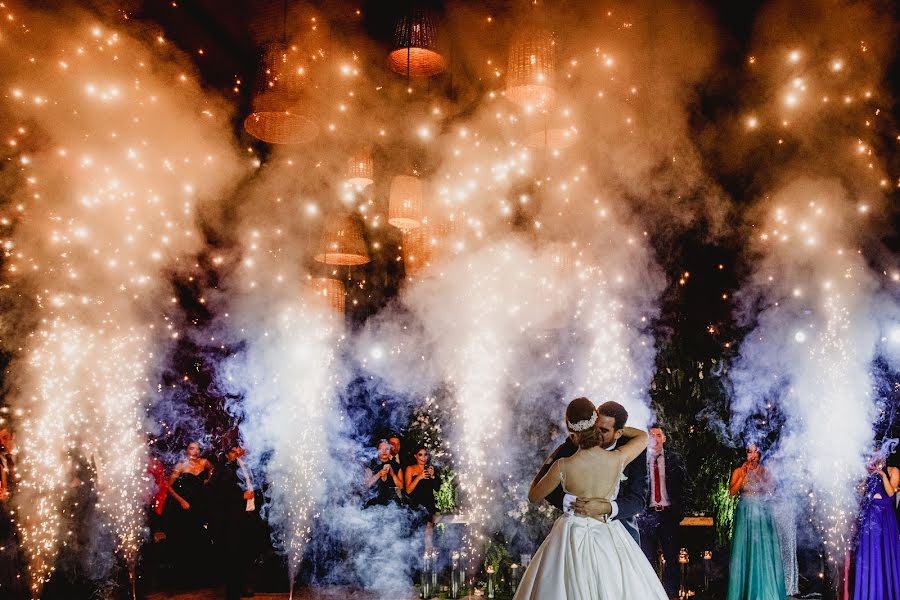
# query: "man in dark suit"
[[632, 497], [235, 515], [665, 508]]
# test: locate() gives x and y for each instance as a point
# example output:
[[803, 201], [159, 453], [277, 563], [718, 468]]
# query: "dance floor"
[[337, 593], [300, 594]]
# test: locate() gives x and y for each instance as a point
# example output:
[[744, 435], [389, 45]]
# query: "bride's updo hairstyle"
[[581, 416]]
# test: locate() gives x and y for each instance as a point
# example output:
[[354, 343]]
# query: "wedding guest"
[[399, 461], [877, 568], [632, 497], [382, 478], [11, 580], [157, 472], [186, 514], [756, 572], [396, 455], [154, 552], [235, 515], [7, 458], [422, 482], [660, 522]]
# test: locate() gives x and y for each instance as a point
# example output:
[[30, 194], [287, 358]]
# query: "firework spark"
[[112, 158]]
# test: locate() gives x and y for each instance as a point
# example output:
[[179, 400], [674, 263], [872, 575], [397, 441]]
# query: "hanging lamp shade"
[[531, 68], [405, 204], [342, 241], [361, 168], [427, 245], [279, 99], [415, 52], [561, 257], [552, 138], [551, 130], [418, 251], [328, 294]]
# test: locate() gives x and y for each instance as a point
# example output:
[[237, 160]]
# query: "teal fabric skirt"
[[756, 572]]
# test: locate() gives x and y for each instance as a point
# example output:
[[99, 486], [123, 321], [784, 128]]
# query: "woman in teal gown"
[[756, 571]]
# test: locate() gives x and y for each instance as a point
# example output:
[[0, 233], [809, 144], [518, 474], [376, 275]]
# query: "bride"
[[585, 558]]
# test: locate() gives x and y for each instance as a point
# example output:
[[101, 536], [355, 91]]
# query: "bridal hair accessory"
[[584, 425]]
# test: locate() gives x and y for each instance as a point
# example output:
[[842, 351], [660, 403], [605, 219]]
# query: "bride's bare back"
[[591, 473]]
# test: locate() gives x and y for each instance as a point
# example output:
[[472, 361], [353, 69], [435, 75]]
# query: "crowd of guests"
[[393, 478], [764, 548], [201, 510], [204, 520]]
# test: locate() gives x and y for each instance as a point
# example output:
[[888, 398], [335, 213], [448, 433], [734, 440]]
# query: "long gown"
[[878, 554], [756, 571], [187, 529], [585, 559]]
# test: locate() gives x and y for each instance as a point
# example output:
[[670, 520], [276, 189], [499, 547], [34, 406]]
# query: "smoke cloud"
[[110, 148], [816, 297]]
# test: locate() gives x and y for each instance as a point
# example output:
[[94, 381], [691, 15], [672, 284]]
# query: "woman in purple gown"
[[877, 572]]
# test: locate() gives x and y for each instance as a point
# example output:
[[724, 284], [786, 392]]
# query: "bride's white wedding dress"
[[586, 559]]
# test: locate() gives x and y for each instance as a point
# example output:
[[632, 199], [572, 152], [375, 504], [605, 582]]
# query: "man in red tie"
[[659, 523]]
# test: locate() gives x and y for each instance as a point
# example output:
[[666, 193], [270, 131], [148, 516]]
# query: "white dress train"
[[585, 559]]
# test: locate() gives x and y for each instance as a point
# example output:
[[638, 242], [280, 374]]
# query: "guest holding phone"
[[878, 551], [756, 571], [421, 484], [382, 479]]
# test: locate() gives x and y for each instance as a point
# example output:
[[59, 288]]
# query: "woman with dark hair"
[[421, 484], [877, 572], [756, 571], [585, 558], [186, 514]]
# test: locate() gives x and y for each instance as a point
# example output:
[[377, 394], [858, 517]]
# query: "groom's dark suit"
[[632, 498]]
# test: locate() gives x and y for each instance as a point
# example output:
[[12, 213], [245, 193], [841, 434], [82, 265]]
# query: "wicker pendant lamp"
[[415, 52], [342, 241], [328, 294], [427, 245], [361, 168], [551, 130], [531, 68], [405, 204], [561, 257], [418, 250], [278, 115]]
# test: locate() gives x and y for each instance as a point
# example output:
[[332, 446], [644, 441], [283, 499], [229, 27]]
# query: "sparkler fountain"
[[112, 157], [286, 377], [813, 295]]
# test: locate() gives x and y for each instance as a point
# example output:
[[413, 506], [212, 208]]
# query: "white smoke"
[[114, 147], [815, 301]]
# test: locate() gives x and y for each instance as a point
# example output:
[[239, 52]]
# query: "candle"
[[454, 575]]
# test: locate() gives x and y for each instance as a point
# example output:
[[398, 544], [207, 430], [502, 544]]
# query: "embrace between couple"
[[592, 552]]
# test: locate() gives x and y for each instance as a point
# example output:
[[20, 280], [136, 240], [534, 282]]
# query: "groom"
[[632, 497]]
